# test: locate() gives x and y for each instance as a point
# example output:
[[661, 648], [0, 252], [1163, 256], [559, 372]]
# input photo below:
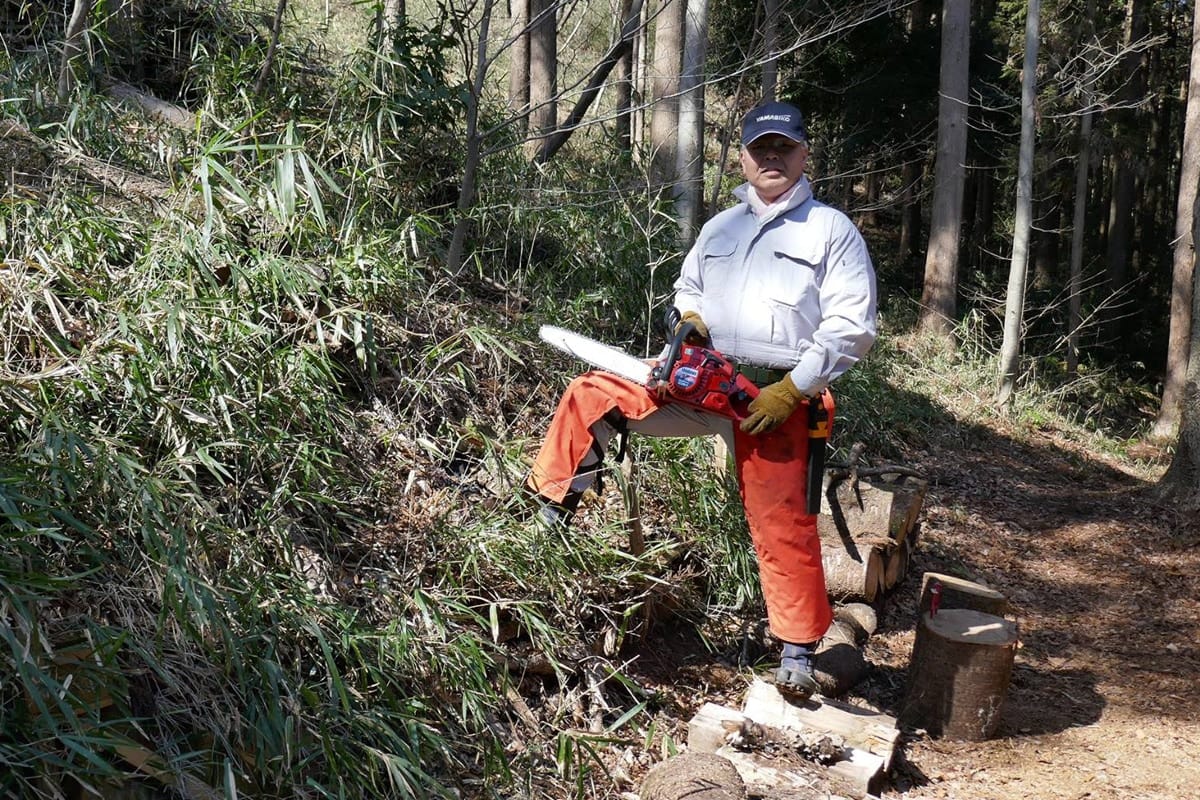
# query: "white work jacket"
[[792, 288]]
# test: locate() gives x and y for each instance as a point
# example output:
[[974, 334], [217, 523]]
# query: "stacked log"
[[868, 525]]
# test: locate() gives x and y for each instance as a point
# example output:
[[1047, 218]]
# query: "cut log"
[[859, 616], [897, 566], [959, 674], [693, 776], [884, 505], [838, 665], [852, 576], [960, 593]]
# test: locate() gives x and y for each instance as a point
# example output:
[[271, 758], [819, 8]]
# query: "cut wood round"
[[838, 665], [960, 593], [851, 578], [693, 776], [897, 566], [859, 616], [959, 674]]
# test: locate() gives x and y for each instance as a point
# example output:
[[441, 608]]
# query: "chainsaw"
[[688, 373], [702, 378]]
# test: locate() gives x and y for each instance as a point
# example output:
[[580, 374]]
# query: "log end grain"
[[693, 776]]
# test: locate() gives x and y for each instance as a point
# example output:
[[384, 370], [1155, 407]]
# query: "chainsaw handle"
[[663, 371]]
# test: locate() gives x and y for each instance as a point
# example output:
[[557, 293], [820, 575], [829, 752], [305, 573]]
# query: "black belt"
[[762, 376]]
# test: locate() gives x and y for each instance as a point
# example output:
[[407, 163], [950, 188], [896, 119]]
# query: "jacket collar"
[[765, 212]]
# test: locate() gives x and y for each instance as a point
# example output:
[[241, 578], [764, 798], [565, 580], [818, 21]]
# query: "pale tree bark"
[[689, 189], [1014, 309], [543, 69], [770, 70], [665, 68], [518, 69], [938, 300], [1185, 252], [74, 44], [394, 14]]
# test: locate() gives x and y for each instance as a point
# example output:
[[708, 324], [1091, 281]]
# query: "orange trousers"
[[772, 471]]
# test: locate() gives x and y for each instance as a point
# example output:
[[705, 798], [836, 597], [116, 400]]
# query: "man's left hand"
[[774, 404]]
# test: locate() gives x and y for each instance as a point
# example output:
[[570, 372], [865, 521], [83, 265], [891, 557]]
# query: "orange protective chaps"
[[771, 469]]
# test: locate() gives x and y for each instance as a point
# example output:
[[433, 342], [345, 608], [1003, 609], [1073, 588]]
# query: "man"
[[783, 285]]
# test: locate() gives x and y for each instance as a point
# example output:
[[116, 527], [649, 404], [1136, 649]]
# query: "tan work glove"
[[701, 334], [774, 404]]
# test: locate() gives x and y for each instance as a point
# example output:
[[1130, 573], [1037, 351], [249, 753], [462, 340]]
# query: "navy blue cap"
[[780, 118]]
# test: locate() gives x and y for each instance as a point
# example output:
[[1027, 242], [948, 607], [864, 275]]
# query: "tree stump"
[[693, 776], [959, 674], [955, 592]]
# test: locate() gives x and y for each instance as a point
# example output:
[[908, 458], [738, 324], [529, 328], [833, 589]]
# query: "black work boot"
[[558, 514], [794, 678]]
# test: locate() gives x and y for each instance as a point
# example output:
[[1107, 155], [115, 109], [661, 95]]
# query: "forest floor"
[[1105, 586]]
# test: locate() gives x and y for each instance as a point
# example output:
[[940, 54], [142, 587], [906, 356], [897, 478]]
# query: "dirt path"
[[1104, 700]]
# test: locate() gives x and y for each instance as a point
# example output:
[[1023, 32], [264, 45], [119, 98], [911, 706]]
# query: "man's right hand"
[[700, 334]]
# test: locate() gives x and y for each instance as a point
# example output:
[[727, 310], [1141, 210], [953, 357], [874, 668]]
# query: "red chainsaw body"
[[706, 379]]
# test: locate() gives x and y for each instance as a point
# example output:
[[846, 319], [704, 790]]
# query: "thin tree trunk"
[[1074, 301], [938, 298], [73, 45], [518, 69], [1184, 260], [770, 70], [1124, 177], [1014, 309], [466, 193], [269, 61], [689, 166], [558, 138], [624, 79], [664, 120], [543, 69]]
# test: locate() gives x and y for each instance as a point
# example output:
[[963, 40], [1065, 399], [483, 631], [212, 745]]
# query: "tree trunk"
[[1014, 309], [664, 120], [1167, 422], [518, 69], [938, 298], [455, 262], [73, 45], [689, 166], [770, 30], [624, 79], [555, 140], [543, 69], [269, 61], [1181, 482], [1075, 282], [1124, 175], [960, 672]]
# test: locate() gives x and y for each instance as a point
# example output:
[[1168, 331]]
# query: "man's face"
[[772, 164]]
